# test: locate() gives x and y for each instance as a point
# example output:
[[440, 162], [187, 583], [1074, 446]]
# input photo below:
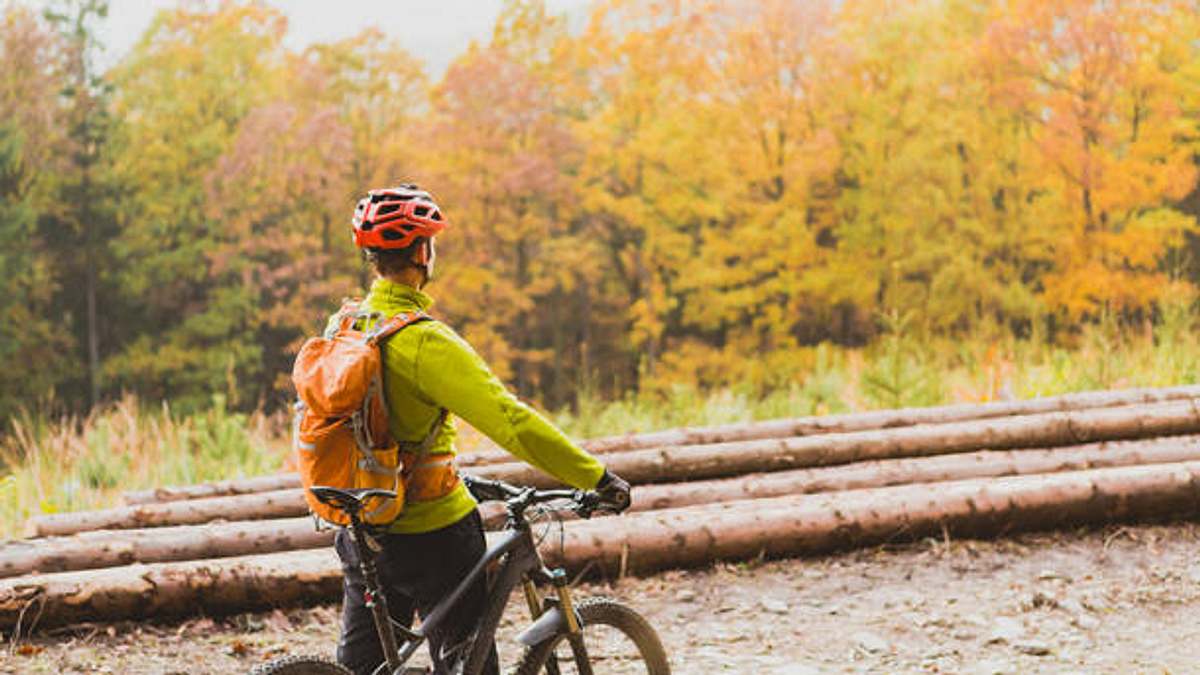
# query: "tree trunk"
[[646, 542], [717, 460], [803, 426], [918, 470], [170, 589], [93, 330], [887, 419], [112, 548], [813, 524], [277, 504], [118, 542], [235, 486]]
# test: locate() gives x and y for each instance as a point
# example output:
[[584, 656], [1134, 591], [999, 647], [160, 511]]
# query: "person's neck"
[[409, 277]]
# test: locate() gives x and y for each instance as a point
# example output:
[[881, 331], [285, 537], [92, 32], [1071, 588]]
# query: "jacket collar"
[[390, 297]]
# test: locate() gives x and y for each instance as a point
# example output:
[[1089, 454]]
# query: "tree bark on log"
[[223, 488], [113, 548], [918, 470], [641, 543], [802, 426], [717, 460], [170, 589], [108, 548], [887, 419], [814, 524], [277, 504]]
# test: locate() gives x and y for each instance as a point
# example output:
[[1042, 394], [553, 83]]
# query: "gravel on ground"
[[1117, 600]]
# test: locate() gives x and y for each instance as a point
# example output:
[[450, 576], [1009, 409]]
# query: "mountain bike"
[[565, 636]]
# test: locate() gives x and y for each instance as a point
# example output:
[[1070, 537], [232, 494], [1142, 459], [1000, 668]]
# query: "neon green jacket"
[[427, 366]]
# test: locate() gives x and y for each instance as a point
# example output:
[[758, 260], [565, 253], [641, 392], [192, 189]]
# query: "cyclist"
[[430, 372]]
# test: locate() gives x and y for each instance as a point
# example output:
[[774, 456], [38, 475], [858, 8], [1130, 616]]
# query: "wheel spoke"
[[615, 641]]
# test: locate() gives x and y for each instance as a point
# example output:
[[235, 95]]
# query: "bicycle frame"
[[522, 564]]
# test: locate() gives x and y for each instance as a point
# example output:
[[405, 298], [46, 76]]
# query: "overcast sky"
[[434, 31]]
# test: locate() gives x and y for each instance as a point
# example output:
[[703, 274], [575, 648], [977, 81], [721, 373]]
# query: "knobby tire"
[[300, 665], [607, 612]]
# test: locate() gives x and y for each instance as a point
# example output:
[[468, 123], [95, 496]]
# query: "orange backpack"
[[341, 435]]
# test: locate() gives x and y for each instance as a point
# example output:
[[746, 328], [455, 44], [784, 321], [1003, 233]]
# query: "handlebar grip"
[[487, 490]]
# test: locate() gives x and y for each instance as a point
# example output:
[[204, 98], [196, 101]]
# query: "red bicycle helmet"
[[393, 218]]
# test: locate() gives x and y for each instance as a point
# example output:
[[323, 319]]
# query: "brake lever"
[[587, 503]]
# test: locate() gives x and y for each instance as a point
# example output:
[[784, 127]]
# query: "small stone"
[[1086, 622], [1040, 600], [975, 620], [686, 595], [963, 634], [1005, 629], [774, 606], [993, 667], [1032, 647], [870, 642], [1050, 575], [1072, 606]]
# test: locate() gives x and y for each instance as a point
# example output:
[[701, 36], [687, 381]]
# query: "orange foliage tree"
[[1098, 84], [669, 191]]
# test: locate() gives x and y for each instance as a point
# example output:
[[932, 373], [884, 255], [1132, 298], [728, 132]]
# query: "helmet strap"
[[425, 258]]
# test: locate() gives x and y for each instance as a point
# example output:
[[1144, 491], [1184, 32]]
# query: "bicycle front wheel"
[[618, 641], [301, 665]]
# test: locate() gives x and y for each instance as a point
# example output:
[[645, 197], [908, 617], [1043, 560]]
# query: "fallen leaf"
[[26, 649]]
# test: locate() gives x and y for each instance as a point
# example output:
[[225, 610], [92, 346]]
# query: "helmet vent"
[[421, 211], [387, 208], [391, 235], [437, 215]]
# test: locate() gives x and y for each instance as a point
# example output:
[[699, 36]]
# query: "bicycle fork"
[[554, 616]]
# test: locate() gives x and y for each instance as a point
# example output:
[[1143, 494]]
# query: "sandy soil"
[[1119, 600]]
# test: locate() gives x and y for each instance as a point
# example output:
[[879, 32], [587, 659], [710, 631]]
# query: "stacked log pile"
[[785, 487]]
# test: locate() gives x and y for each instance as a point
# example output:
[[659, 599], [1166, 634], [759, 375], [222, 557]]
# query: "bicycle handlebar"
[[516, 499]]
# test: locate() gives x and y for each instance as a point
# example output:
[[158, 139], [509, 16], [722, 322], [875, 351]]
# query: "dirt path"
[[1115, 601]]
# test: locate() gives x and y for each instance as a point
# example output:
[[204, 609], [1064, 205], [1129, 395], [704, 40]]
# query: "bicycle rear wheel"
[[300, 665], [617, 639]]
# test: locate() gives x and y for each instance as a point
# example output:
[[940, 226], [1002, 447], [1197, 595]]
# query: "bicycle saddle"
[[350, 501]]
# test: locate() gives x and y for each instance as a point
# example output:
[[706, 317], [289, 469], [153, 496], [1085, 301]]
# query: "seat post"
[[375, 598]]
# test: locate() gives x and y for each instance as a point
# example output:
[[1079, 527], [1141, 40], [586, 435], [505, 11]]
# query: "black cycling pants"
[[416, 571]]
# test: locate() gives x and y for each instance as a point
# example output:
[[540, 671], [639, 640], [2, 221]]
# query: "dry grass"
[[49, 466], [71, 464]]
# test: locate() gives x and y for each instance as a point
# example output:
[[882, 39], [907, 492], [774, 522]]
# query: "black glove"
[[613, 491]]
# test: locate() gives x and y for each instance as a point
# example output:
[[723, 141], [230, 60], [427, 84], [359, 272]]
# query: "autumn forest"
[[672, 191]]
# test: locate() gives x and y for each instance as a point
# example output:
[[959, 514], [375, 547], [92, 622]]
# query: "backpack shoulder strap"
[[385, 330], [395, 324], [342, 319]]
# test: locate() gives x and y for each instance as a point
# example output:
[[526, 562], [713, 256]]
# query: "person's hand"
[[613, 491]]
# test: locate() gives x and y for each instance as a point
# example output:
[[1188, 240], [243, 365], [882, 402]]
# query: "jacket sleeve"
[[450, 374]]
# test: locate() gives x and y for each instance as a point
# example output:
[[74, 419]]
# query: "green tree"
[[35, 339], [182, 93], [33, 349], [81, 228]]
